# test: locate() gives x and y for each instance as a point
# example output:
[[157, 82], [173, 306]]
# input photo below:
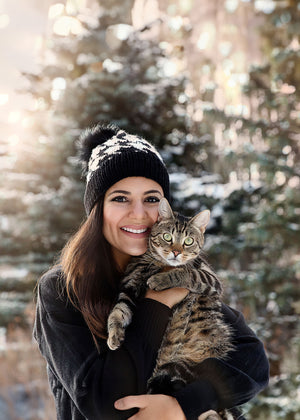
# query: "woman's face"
[[130, 209]]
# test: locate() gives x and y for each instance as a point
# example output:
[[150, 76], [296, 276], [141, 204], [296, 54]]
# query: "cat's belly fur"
[[195, 332]]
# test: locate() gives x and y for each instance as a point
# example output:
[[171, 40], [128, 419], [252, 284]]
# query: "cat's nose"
[[176, 253]]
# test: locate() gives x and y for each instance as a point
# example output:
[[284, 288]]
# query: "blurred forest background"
[[215, 85]]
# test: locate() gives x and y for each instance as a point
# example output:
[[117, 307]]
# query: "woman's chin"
[[137, 252]]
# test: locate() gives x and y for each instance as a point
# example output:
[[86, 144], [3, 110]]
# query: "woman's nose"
[[138, 210]]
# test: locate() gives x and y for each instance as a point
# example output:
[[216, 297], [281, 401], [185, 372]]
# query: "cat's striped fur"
[[196, 330]]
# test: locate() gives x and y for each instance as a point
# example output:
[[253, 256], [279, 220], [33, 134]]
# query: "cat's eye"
[[167, 237], [188, 241]]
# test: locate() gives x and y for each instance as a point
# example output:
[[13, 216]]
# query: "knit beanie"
[[109, 154]]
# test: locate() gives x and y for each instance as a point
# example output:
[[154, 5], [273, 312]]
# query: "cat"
[[196, 330]]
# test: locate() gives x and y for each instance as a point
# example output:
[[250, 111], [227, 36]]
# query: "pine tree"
[[109, 71], [104, 72], [261, 221], [274, 156]]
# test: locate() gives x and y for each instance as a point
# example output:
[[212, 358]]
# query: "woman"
[[126, 178]]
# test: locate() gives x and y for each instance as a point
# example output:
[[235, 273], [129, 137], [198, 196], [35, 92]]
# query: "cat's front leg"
[[160, 281], [177, 277], [196, 281], [117, 322]]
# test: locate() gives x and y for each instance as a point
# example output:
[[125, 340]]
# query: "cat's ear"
[[164, 210], [201, 220]]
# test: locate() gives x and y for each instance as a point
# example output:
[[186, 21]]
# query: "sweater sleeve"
[[94, 380], [226, 384]]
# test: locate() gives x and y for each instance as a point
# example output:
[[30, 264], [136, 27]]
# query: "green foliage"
[[280, 400], [253, 240]]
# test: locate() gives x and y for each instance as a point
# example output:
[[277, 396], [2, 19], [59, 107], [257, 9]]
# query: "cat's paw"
[[115, 338], [117, 322], [209, 415], [157, 283], [116, 331]]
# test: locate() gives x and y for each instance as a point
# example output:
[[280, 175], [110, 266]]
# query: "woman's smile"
[[130, 210], [138, 231]]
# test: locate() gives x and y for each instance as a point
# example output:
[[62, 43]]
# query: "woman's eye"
[[119, 199], [152, 200], [188, 241], [167, 237]]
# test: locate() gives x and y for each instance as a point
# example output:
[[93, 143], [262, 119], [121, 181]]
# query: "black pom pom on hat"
[[91, 138], [108, 154]]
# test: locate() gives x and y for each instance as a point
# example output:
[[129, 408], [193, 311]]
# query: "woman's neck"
[[121, 260]]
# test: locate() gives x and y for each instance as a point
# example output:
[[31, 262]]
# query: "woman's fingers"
[[152, 406], [132, 401]]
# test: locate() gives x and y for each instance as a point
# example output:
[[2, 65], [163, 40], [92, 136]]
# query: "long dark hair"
[[90, 272]]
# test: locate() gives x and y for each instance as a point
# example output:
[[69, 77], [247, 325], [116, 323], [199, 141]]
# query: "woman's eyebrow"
[[119, 192], [128, 192], [152, 192]]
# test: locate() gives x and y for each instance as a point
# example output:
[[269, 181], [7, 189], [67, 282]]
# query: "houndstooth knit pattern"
[[118, 145], [121, 156]]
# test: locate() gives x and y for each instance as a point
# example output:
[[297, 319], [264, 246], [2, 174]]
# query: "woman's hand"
[[168, 297], [162, 407]]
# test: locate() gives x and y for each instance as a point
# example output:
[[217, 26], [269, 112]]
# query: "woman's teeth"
[[134, 230]]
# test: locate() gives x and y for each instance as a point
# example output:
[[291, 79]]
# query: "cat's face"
[[175, 239]]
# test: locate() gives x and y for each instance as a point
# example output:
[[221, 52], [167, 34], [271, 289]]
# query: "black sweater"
[[85, 383]]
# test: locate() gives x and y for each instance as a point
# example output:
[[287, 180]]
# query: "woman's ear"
[[164, 210]]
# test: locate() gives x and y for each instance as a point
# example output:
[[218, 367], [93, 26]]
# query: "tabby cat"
[[196, 330]]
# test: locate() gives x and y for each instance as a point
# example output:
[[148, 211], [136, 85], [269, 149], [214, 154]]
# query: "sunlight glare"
[[58, 85], [207, 37], [3, 98], [116, 34], [27, 122], [266, 6], [56, 10], [176, 23], [67, 25], [203, 41], [225, 48], [111, 66], [231, 5], [14, 117], [170, 68], [4, 21], [39, 42], [73, 7], [13, 139]]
